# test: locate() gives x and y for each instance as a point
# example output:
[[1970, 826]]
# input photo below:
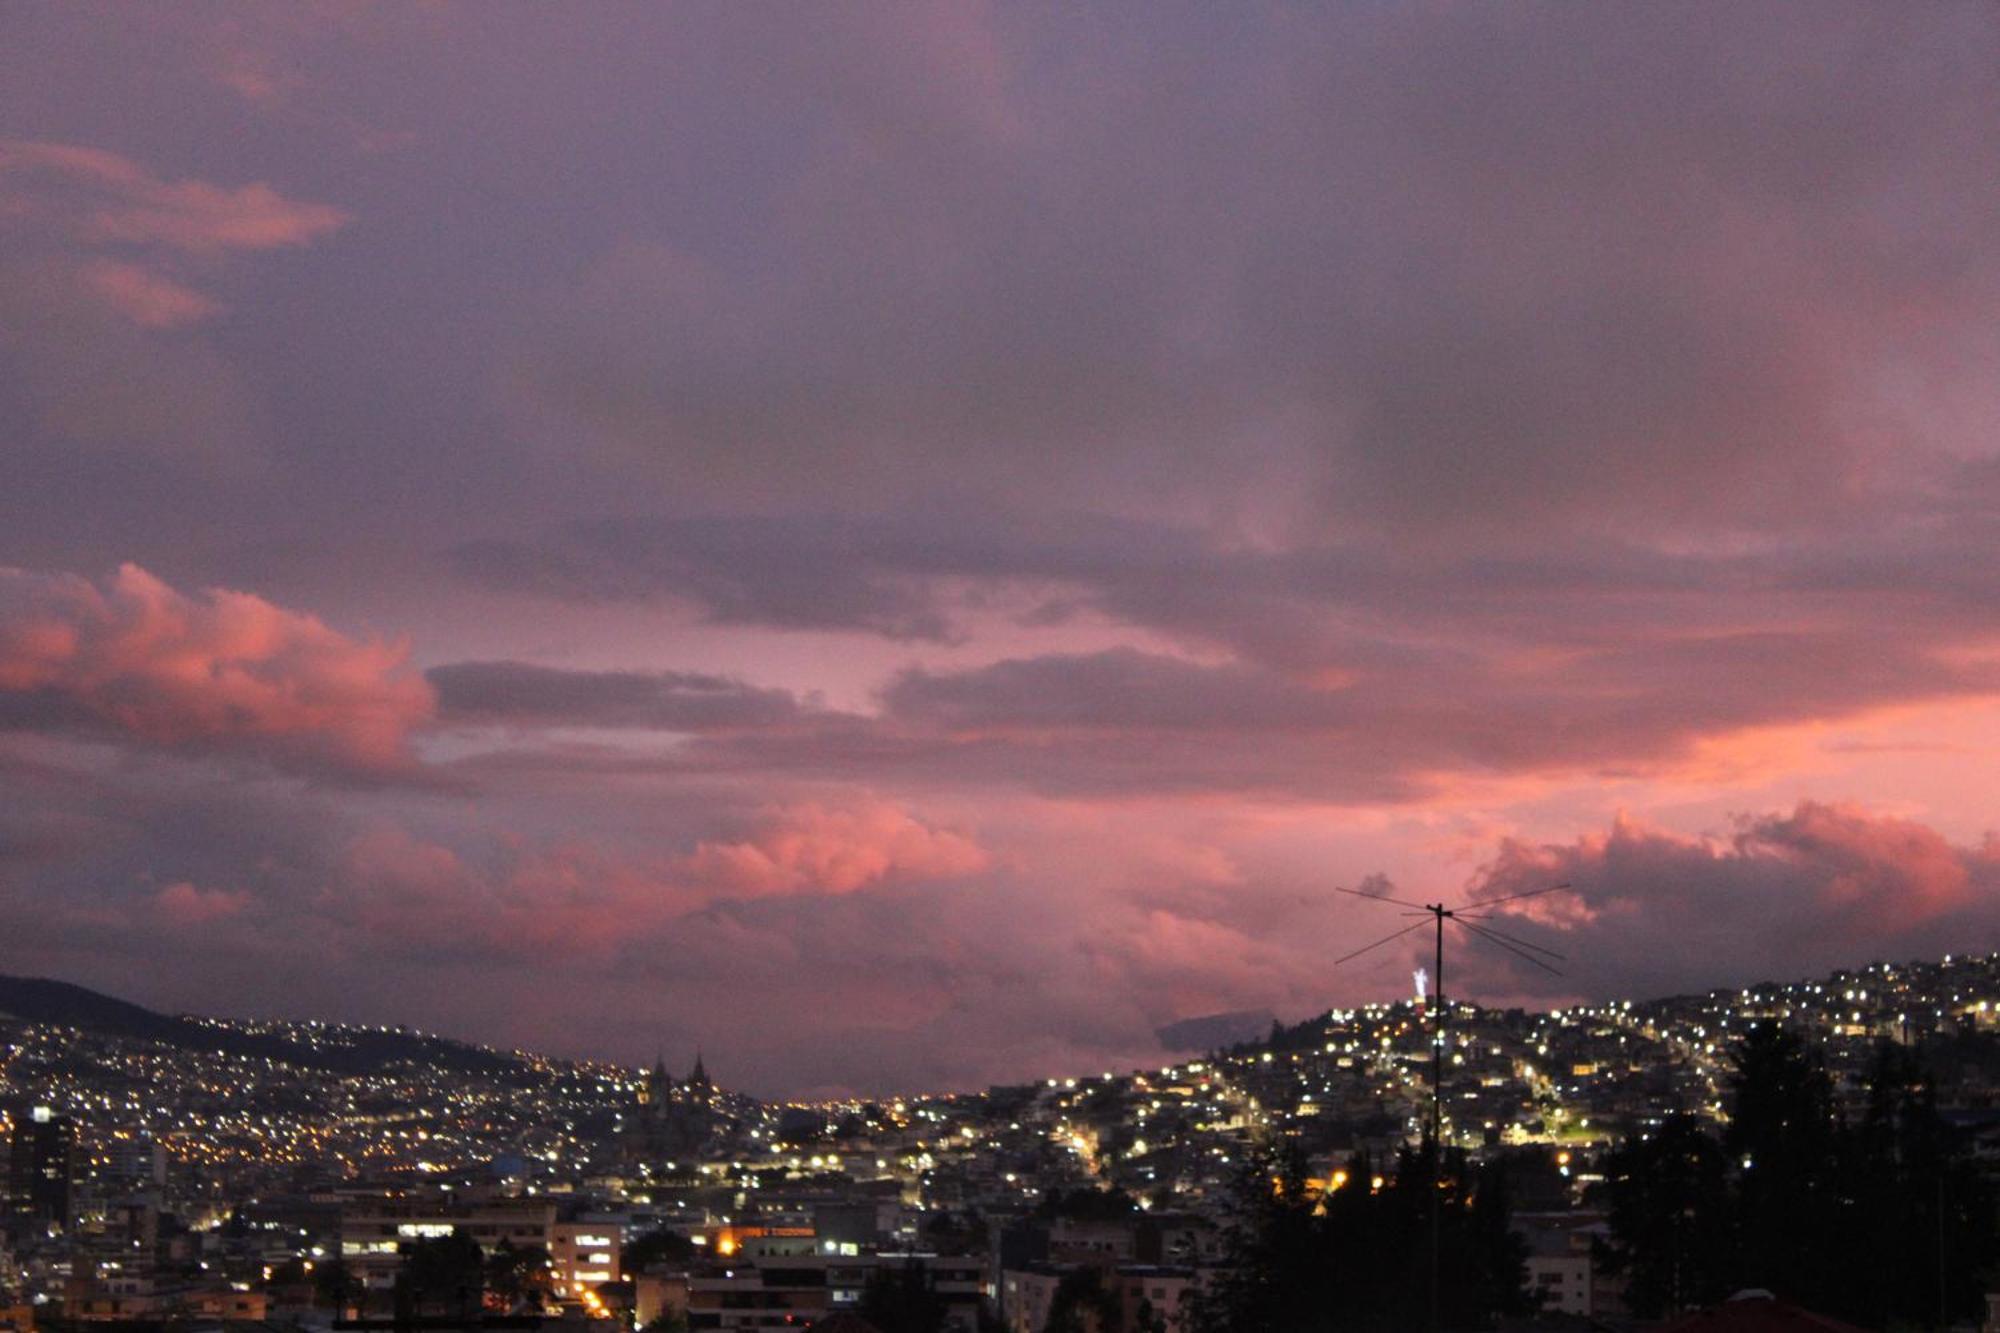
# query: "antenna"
[[1463, 917]]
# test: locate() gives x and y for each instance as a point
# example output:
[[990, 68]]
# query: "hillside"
[[334, 1049]]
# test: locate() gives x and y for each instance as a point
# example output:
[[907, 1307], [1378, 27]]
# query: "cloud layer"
[[960, 527]]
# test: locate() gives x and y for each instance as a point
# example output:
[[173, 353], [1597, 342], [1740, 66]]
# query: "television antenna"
[[1463, 916]]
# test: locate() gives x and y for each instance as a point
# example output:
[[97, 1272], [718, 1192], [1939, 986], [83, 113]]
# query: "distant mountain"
[[335, 1049], [1211, 1032]]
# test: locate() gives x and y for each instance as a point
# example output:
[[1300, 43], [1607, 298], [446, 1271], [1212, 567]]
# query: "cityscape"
[[993, 666], [279, 1172]]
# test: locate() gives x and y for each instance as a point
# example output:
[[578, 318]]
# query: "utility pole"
[[1438, 911], [1464, 916]]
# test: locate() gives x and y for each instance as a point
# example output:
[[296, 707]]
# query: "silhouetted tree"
[[662, 1245], [1671, 1218], [1086, 1204], [1916, 1203], [1148, 1320], [956, 1232], [1782, 1138], [903, 1301], [1358, 1258], [519, 1275], [445, 1274], [1884, 1222], [1083, 1304], [332, 1283]]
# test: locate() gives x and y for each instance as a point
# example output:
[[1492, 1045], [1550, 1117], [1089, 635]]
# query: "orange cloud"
[[225, 668]]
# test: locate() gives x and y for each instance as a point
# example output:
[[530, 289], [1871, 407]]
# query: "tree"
[[1670, 1218], [446, 1274], [1085, 1204], [1358, 1258], [1273, 1275], [1918, 1203], [332, 1283], [1884, 1222], [660, 1246], [519, 1275], [956, 1232], [903, 1301], [1082, 1304], [1783, 1138]]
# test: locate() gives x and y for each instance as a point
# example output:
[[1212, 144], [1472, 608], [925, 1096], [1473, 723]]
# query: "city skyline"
[[917, 547]]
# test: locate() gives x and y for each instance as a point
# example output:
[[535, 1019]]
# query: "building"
[[1560, 1260], [1148, 1292], [1562, 1281], [583, 1254], [42, 1166], [373, 1229], [674, 1120], [136, 1162], [1141, 1293], [792, 1290]]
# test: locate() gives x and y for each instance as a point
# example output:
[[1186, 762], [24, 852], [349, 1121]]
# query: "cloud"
[[114, 199], [522, 694], [1783, 895], [93, 385], [185, 904], [1436, 277], [148, 299], [224, 671], [571, 899], [815, 573], [1385, 671], [1376, 418], [835, 851]]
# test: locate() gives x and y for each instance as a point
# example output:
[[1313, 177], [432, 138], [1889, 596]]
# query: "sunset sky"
[[911, 546]]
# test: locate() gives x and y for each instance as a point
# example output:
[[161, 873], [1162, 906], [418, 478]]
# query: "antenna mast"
[[1439, 914]]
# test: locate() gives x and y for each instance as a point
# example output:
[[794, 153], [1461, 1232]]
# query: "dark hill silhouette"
[[335, 1049]]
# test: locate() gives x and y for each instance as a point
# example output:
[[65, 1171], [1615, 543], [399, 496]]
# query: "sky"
[[909, 546]]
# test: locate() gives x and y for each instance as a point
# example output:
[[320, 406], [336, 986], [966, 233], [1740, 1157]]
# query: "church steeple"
[[698, 1080], [653, 1092]]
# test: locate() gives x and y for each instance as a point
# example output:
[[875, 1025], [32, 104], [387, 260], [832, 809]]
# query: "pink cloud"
[[569, 899], [1782, 895], [405, 892], [145, 297], [112, 198], [225, 668], [813, 848], [1885, 872], [186, 904]]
